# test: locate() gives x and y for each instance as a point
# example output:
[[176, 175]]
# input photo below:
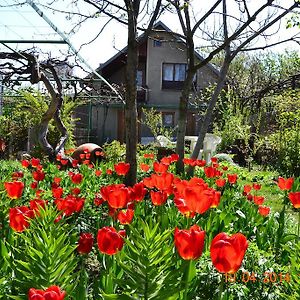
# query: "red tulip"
[[38, 175], [258, 200], [76, 178], [98, 200], [189, 243], [214, 159], [227, 253], [18, 217], [163, 182], [174, 157], [232, 178], [70, 204], [144, 167], [138, 192], [216, 199], [98, 173], [122, 168], [166, 160], [109, 171], [34, 185], [118, 196], [256, 186], [285, 184], [14, 189], [35, 162], [200, 162], [160, 167], [109, 240], [220, 182], [189, 162], [295, 199], [57, 192], [125, 216], [263, 210], [25, 163], [210, 172], [149, 155], [158, 198], [247, 189], [51, 293], [17, 174], [197, 199], [183, 208], [85, 243]]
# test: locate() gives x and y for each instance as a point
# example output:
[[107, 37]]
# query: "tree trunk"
[[210, 108], [182, 119], [130, 97]]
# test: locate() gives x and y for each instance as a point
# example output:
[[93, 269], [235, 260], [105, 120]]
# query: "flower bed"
[[80, 233]]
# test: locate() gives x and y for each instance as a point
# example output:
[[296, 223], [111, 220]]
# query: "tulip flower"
[[247, 189], [85, 243], [35, 162], [18, 217], [38, 175], [14, 189], [98, 173], [160, 167], [25, 163], [220, 182], [295, 199], [125, 216], [149, 155], [263, 210], [122, 168], [118, 196], [70, 204], [109, 240], [51, 293], [144, 167], [210, 172], [76, 178], [256, 186], [285, 184], [258, 200], [190, 242], [183, 208], [232, 178], [138, 192], [227, 253], [158, 198]]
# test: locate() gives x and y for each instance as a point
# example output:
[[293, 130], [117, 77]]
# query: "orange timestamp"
[[266, 277]]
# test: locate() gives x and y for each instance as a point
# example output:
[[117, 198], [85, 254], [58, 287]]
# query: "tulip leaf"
[[117, 297]]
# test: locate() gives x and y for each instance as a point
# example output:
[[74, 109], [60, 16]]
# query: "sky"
[[22, 22]]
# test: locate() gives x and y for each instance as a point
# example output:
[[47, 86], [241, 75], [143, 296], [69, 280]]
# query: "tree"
[[231, 36], [130, 14], [17, 65]]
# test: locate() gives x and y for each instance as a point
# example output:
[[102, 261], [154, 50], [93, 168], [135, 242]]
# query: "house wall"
[[169, 52]]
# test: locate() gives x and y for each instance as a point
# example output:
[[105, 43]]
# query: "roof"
[[167, 29]]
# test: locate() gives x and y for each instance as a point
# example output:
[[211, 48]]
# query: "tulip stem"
[[221, 287], [186, 289]]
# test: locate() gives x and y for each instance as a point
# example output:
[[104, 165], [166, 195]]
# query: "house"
[[161, 72]]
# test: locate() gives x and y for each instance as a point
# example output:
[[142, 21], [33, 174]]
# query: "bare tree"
[[129, 13], [234, 34]]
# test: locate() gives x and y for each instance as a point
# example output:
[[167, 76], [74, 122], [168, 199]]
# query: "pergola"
[[26, 25]]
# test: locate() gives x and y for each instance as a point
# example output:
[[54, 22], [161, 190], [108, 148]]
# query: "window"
[[157, 43], [173, 76], [139, 79], [168, 119]]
